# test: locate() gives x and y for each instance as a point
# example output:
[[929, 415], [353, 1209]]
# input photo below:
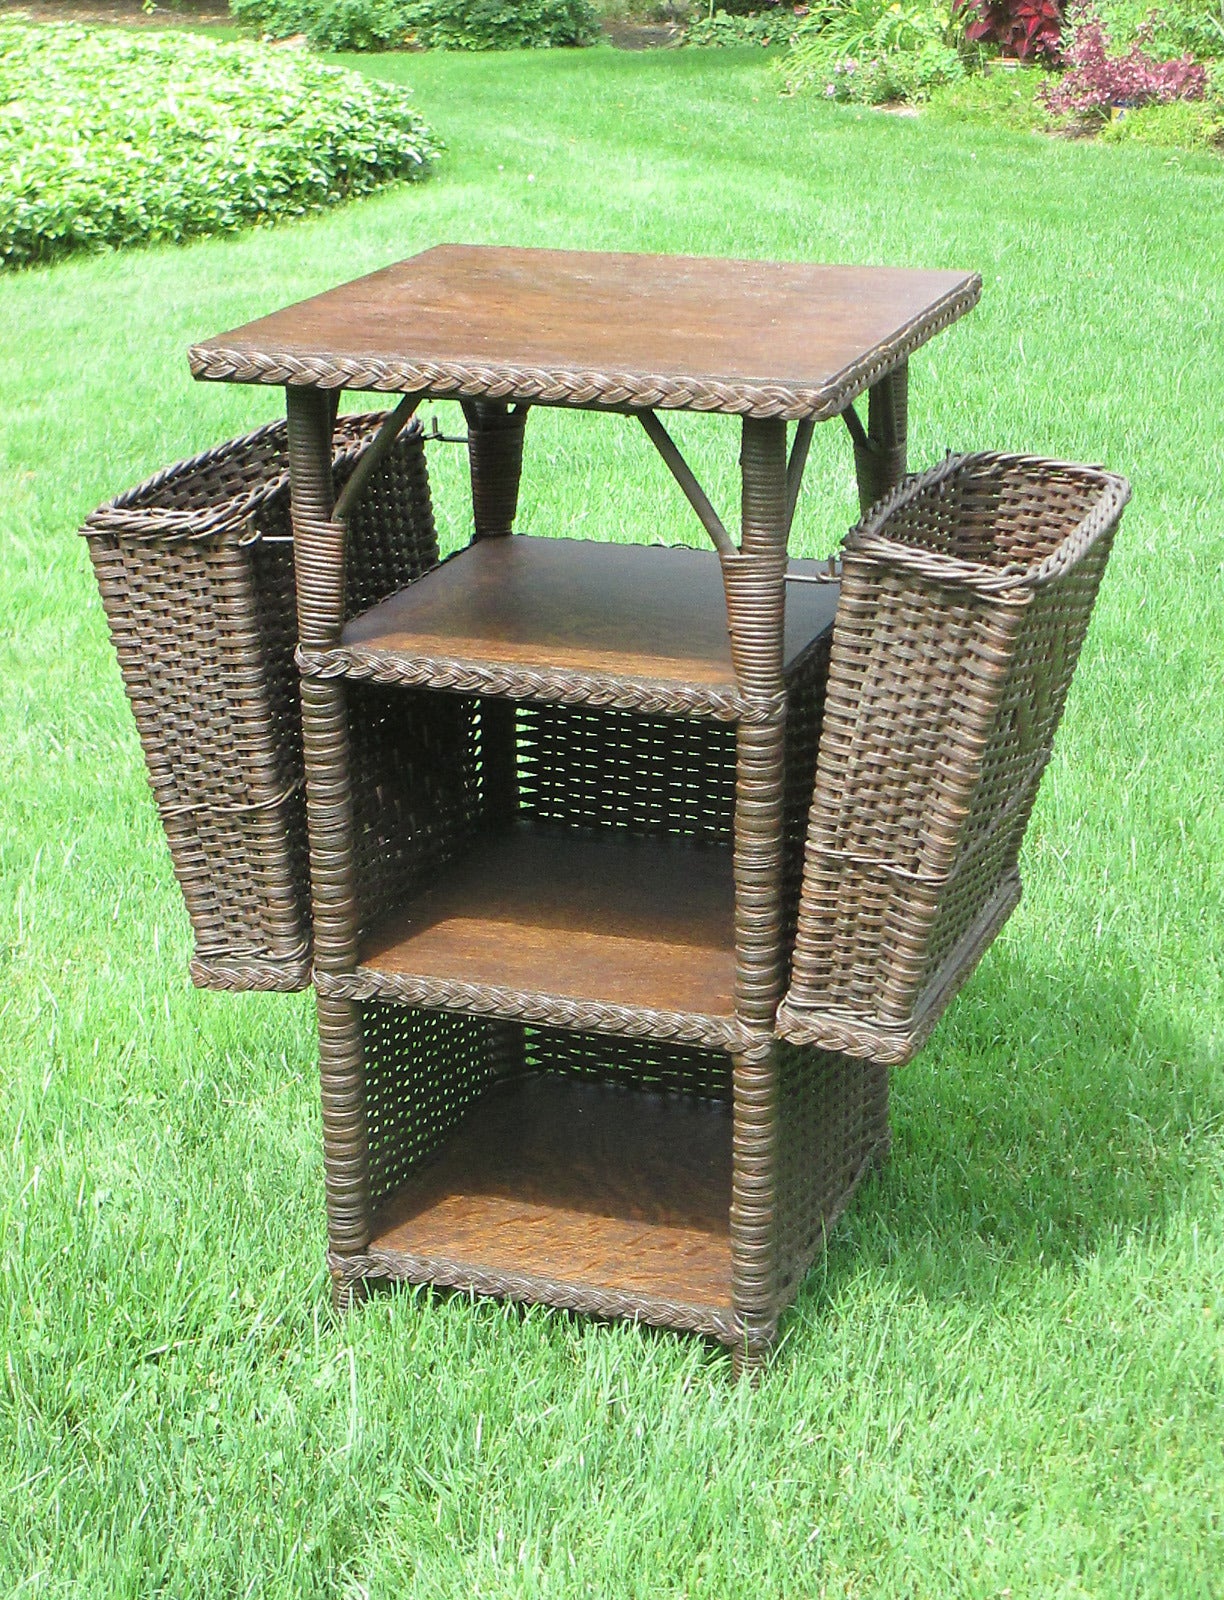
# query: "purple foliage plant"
[[1097, 81]]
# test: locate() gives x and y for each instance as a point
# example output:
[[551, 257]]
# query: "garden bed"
[[118, 138]]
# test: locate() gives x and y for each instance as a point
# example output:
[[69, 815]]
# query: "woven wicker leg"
[[495, 455], [319, 549], [755, 587], [881, 466], [347, 1293], [748, 1362]]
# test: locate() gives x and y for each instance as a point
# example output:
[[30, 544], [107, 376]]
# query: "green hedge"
[[114, 138], [431, 24]]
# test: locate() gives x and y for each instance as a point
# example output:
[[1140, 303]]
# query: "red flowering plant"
[[1026, 30], [1096, 82]]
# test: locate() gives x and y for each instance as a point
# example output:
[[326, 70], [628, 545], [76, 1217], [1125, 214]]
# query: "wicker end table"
[[557, 790]]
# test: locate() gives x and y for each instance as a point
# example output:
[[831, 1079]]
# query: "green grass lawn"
[[1007, 1377]]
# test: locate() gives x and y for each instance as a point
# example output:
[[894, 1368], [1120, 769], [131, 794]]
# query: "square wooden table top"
[[602, 331]]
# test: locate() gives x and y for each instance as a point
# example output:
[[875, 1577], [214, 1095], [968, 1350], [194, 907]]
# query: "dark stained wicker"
[[965, 599], [558, 808], [195, 568], [601, 331]]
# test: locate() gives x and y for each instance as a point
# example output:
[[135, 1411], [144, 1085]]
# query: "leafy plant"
[[874, 51], [502, 24], [776, 26], [116, 138], [1097, 81], [434, 24], [1028, 30], [1178, 27], [993, 99], [1177, 125]]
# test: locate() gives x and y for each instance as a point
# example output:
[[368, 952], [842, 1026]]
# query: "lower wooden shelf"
[[574, 1193]]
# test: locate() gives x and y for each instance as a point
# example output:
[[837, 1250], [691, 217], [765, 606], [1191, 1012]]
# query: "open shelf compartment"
[[569, 866], [563, 1190], [591, 1172], [575, 621], [549, 1165], [539, 911]]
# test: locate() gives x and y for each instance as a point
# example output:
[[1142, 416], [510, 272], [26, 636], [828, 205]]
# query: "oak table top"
[[602, 331]]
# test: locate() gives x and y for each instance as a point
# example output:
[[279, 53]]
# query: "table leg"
[[495, 455], [880, 464], [754, 579], [319, 559]]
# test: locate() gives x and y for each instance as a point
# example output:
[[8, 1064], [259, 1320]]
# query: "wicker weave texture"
[[965, 599], [195, 569]]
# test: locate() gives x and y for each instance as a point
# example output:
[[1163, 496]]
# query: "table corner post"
[[318, 547], [880, 465], [755, 582]]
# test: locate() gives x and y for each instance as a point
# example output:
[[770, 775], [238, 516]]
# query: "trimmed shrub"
[[428, 24], [117, 138], [1179, 125]]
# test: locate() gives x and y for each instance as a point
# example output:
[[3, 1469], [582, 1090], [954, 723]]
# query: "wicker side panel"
[[1031, 703], [898, 760], [392, 537], [616, 770], [805, 702], [196, 572], [834, 1129], [200, 631], [641, 1064], [420, 791], [964, 605], [423, 1072]]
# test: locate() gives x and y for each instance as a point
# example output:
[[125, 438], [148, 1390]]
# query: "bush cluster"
[[1174, 28], [875, 51], [115, 138], [1029, 30], [723, 28], [426, 24], [1122, 68], [1100, 79]]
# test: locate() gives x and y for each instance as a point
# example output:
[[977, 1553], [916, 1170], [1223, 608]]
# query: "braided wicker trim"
[[129, 514], [592, 390], [866, 543], [893, 1045], [282, 974], [555, 1011], [400, 1266], [532, 683]]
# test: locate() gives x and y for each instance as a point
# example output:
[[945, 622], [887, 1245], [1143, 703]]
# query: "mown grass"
[[1006, 1378]]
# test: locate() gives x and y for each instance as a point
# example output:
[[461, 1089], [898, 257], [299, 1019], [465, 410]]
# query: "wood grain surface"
[[633, 922], [579, 1182], [561, 327], [628, 611]]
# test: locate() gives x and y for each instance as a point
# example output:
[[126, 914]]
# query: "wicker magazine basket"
[[195, 568], [965, 599]]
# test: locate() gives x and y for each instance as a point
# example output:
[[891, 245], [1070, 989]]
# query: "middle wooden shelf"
[[542, 749], [570, 621], [539, 919]]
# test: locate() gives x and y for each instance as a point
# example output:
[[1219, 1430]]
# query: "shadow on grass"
[[1053, 1115]]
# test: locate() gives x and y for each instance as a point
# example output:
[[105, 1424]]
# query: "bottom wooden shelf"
[[572, 1192]]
